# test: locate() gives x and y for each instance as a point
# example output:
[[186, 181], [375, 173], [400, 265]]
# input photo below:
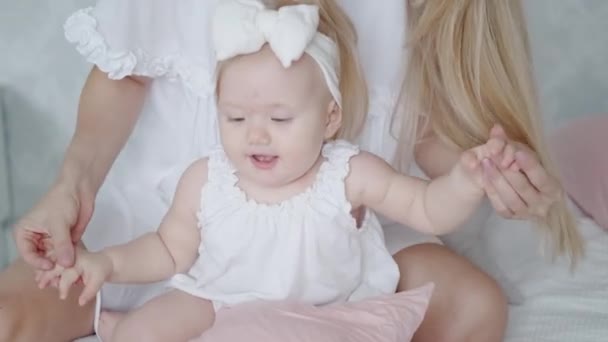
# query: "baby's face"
[[273, 121]]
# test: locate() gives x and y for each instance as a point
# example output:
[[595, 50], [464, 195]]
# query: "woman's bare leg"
[[467, 305], [30, 314], [174, 316]]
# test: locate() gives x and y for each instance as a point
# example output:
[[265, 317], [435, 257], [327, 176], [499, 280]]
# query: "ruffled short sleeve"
[[154, 38]]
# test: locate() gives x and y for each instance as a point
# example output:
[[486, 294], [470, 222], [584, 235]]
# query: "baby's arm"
[[149, 258], [173, 248], [435, 207]]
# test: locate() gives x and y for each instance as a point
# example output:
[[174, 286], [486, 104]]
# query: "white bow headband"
[[244, 26]]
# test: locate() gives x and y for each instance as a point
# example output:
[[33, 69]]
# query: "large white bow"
[[244, 26]]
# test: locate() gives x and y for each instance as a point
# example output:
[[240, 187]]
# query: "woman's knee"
[[452, 274], [485, 299], [483, 310], [429, 262], [467, 304]]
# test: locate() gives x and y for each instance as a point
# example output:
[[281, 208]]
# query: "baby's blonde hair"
[[469, 67], [335, 24]]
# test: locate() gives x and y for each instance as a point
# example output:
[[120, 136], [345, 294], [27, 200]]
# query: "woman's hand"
[[53, 226], [523, 189]]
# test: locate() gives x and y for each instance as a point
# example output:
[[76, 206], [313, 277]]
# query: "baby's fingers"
[[45, 278], [495, 147], [68, 278]]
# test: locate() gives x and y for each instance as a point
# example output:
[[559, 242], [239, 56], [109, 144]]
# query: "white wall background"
[[41, 76]]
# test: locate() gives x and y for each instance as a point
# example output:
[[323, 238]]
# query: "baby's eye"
[[281, 119], [236, 119]]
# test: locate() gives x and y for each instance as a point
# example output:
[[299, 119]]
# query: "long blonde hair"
[[335, 24], [469, 67]]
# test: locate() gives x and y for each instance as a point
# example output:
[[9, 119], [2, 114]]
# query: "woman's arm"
[[107, 113]]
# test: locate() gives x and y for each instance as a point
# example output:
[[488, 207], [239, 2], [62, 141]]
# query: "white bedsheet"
[[560, 306]]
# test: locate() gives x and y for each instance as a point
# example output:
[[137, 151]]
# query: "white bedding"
[[559, 306]]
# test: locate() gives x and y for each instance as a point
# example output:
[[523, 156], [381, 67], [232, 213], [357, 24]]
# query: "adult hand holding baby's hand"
[[522, 189], [474, 162], [54, 225], [92, 269]]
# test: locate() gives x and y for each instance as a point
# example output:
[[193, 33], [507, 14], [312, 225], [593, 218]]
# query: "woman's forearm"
[[107, 113]]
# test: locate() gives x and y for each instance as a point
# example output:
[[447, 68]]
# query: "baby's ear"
[[334, 120]]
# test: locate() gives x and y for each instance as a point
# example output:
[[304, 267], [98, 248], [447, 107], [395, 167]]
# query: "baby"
[[267, 215]]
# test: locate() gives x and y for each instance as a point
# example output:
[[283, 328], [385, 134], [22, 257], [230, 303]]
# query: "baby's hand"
[[92, 269], [495, 149]]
